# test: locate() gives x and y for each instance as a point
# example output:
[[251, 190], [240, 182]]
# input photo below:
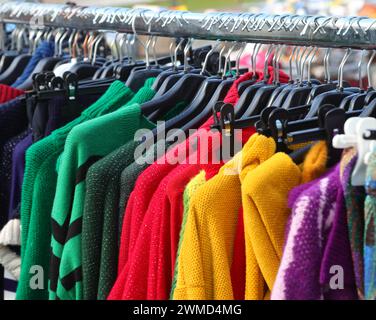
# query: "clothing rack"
[[320, 31]]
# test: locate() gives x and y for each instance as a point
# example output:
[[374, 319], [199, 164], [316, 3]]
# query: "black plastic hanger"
[[263, 94], [205, 113], [333, 97], [16, 68], [212, 90], [6, 59]]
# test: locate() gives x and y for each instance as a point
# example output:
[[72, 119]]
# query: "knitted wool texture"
[[316, 238], [100, 270], [140, 197], [354, 200], [44, 50], [370, 231], [159, 234], [86, 144], [109, 252], [140, 205], [95, 238], [207, 247], [39, 186], [8, 93], [266, 213], [145, 186], [189, 191]]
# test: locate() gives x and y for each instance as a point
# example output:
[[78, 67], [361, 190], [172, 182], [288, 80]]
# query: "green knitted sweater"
[[86, 144], [100, 231], [38, 192]]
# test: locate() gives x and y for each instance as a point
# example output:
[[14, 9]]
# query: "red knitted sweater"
[[153, 219]]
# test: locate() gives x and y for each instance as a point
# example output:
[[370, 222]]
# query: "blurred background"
[[305, 7]]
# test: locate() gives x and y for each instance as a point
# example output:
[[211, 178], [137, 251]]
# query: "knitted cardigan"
[[370, 231], [101, 202], [189, 191], [208, 276], [39, 186], [317, 212], [85, 145], [144, 188], [100, 245], [162, 214], [354, 200], [266, 213]]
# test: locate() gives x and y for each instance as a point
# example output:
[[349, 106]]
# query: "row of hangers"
[[303, 110]]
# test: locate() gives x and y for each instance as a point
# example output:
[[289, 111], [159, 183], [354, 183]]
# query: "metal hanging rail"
[[320, 31]]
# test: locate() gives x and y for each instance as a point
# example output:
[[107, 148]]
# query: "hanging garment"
[[370, 231], [99, 273], [266, 213], [317, 212], [132, 234], [39, 186], [354, 201], [84, 147], [210, 228], [189, 191]]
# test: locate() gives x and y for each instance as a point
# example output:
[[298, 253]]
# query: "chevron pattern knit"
[[39, 187]]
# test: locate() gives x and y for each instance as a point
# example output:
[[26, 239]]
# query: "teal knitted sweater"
[[86, 144], [38, 192]]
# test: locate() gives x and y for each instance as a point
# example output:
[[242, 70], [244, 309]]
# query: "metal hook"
[[360, 69], [277, 78], [19, 39], [37, 39], [309, 65], [154, 52], [341, 66], [220, 58], [290, 62], [148, 42], [303, 62], [94, 58], [176, 53], [276, 53], [70, 40], [217, 44], [256, 49], [227, 60], [60, 52], [326, 65], [186, 51], [298, 59], [268, 53], [241, 51], [58, 35]]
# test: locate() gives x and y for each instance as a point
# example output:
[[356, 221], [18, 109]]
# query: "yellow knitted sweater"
[[206, 249], [264, 198]]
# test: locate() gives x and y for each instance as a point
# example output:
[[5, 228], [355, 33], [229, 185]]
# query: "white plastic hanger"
[[358, 176], [348, 139]]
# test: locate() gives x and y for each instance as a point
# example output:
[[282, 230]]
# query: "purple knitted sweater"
[[316, 239]]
